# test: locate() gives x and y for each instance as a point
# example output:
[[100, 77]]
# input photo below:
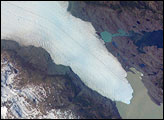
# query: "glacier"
[[70, 42]]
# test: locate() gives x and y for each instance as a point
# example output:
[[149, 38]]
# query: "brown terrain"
[[132, 17], [67, 90], [64, 89]]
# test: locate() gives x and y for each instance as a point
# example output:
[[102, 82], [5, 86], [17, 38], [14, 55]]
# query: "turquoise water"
[[107, 36]]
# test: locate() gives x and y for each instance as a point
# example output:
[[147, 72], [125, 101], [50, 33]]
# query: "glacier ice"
[[3, 112], [69, 40]]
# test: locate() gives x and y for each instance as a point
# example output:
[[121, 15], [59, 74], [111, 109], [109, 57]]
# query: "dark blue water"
[[142, 65], [154, 38], [114, 44]]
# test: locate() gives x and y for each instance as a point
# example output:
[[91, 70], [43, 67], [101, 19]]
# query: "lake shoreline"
[[141, 107]]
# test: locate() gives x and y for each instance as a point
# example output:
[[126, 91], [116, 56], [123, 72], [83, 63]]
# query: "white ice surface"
[[3, 112], [16, 103], [69, 40]]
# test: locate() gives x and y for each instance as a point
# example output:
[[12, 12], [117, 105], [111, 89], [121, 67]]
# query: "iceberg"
[[69, 40]]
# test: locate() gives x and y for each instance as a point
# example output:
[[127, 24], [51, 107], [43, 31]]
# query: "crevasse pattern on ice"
[[70, 41]]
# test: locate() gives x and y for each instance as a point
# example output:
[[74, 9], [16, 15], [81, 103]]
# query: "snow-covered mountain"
[[24, 101]]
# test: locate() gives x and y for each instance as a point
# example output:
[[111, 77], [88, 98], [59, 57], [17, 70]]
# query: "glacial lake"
[[107, 36], [141, 105]]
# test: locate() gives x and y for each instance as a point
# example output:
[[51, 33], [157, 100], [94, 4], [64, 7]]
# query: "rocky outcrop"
[[137, 18], [37, 57], [113, 15], [66, 90]]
